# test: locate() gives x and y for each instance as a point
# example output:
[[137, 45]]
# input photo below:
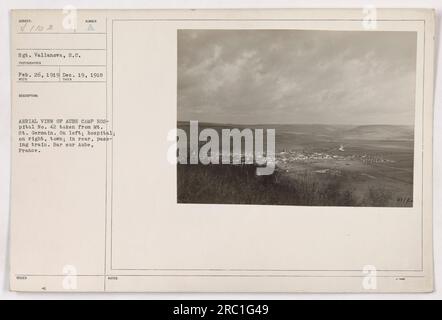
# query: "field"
[[316, 165]]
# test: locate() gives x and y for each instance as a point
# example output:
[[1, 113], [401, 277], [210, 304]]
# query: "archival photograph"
[[296, 117]]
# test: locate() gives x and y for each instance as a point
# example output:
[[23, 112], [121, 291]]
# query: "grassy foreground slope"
[[239, 184]]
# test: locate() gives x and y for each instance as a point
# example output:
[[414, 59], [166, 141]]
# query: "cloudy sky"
[[296, 76]]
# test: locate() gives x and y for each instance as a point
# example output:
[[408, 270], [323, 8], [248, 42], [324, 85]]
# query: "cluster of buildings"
[[289, 156]]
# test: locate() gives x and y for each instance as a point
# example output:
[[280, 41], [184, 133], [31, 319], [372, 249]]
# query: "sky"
[[296, 76]]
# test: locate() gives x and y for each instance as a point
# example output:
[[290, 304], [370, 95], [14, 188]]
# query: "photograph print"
[[296, 117]]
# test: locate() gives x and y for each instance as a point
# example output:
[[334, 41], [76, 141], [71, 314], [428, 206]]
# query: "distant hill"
[[379, 132], [361, 132]]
